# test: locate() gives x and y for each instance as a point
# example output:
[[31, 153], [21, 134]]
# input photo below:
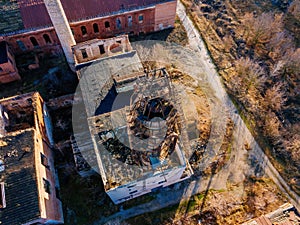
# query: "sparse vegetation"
[[255, 46], [220, 206]]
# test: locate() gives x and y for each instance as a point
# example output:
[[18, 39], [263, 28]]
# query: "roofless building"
[[135, 135]]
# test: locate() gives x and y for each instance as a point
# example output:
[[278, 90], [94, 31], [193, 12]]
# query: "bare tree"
[[259, 30], [276, 69], [292, 62], [248, 83], [228, 43], [292, 142], [271, 126], [280, 44], [294, 147], [288, 70], [251, 74], [275, 98]]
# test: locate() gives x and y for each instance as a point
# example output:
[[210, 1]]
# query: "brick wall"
[[8, 70], [146, 25], [110, 47], [165, 15], [147, 20], [22, 42], [50, 205]]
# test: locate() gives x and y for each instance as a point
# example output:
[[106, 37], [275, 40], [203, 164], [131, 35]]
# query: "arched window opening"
[[106, 24], [116, 47], [1, 70], [141, 18], [83, 30], [96, 28], [129, 21], [21, 45], [34, 42], [47, 39], [118, 23]]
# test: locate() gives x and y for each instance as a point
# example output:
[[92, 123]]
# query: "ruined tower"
[[62, 28]]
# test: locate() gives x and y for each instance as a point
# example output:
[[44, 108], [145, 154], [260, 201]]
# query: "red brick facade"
[[108, 26], [8, 69], [25, 41], [142, 21]]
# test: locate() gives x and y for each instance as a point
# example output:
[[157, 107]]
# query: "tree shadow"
[[206, 216]]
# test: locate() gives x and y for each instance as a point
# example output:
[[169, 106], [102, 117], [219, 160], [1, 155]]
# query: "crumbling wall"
[[64, 101], [24, 111], [20, 112], [20, 42], [49, 204], [8, 70], [96, 48]]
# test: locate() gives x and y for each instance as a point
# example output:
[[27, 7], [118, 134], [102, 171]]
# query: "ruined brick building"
[[49, 24], [134, 131], [28, 182], [8, 68]]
